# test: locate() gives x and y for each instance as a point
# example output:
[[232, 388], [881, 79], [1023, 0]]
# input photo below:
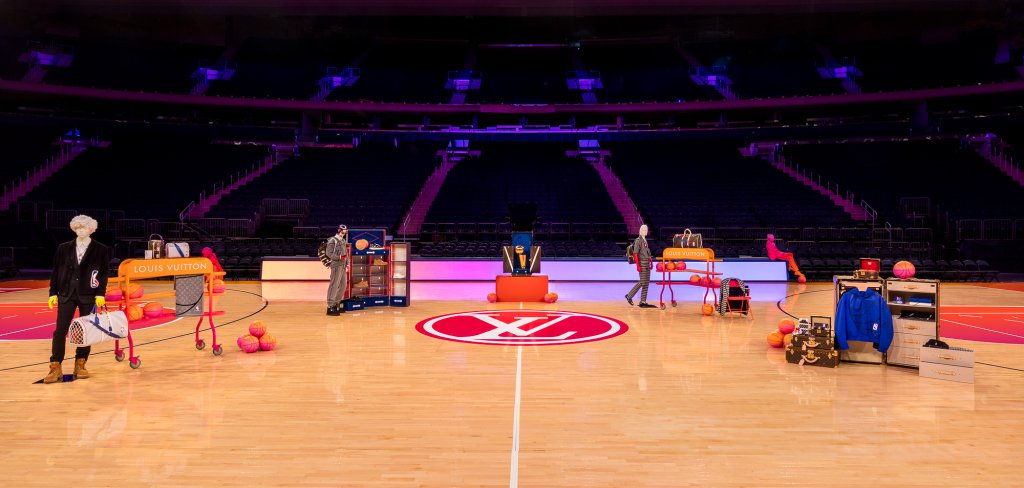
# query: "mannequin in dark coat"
[[78, 282]]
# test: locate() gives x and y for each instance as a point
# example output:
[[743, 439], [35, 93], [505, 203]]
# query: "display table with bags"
[[194, 277]]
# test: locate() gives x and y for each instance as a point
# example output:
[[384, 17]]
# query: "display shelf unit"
[[398, 285], [370, 277], [915, 308]]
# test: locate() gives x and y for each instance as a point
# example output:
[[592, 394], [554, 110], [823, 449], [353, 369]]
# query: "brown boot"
[[56, 375], [80, 372]]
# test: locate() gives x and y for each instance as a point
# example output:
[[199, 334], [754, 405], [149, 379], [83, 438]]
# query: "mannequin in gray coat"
[[337, 250], [643, 261]]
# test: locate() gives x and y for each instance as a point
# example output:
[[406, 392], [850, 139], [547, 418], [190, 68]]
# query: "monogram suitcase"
[[825, 358]]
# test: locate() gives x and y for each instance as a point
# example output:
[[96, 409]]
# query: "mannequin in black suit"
[[78, 282]]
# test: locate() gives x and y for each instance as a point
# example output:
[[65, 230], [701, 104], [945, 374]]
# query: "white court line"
[[514, 469], [1017, 321], [44, 311], [12, 316], [971, 316], [513, 477], [30, 328], [982, 328]]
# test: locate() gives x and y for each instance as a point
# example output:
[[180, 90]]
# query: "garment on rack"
[[863, 316]]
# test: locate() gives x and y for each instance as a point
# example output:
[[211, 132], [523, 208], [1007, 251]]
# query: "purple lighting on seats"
[[52, 59]]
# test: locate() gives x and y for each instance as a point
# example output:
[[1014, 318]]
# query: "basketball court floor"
[[368, 399]]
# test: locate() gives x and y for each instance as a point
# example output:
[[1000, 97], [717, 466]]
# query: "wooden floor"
[[365, 400]]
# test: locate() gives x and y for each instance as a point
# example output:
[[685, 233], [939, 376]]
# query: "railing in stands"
[[989, 229]]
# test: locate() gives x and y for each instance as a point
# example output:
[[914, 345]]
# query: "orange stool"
[[743, 303]]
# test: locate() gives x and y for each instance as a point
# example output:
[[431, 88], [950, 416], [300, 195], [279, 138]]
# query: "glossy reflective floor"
[[366, 400]]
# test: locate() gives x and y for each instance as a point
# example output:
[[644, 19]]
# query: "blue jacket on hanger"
[[863, 316]]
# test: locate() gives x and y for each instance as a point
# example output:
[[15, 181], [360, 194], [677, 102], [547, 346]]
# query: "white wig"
[[84, 222]]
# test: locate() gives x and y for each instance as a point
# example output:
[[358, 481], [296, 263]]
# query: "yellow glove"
[[101, 301], [52, 302]]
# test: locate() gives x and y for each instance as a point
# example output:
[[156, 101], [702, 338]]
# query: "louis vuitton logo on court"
[[521, 327], [517, 327]]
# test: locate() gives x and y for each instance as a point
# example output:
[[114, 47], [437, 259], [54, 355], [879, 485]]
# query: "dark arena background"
[[506, 172]]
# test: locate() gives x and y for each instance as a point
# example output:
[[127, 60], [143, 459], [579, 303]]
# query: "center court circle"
[[522, 327]]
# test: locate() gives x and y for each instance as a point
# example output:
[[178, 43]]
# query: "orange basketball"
[[268, 342], [670, 266], [694, 279], [249, 343], [492, 297], [775, 339], [904, 270], [707, 309], [786, 326], [680, 265], [362, 244], [786, 339], [113, 294], [134, 312], [135, 290], [152, 310], [257, 329], [554, 295], [218, 286]]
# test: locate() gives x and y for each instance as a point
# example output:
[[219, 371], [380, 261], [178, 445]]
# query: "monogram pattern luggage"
[[188, 295]]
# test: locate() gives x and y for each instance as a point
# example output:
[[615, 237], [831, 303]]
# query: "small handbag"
[[98, 327], [176, 250], [156, 246], [688, 240]]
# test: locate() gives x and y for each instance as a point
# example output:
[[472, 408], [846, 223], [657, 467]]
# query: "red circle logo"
[[522, 327]]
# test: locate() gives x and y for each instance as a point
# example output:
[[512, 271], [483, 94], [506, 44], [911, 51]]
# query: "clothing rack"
[[859, 352]]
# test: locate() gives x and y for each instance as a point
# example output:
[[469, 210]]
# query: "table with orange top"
[[141, 269], [703, 256]]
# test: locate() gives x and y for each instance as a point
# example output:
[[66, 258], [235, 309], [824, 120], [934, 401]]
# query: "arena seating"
[[10, 49], [517, 75], [415, 72], [910, 64], [712, 185], [279, 69], [956, 178], [759, 69], [25, 148], [159, 67], [567, 191], [642, 73], [371, 186], [145, 176], [405, 73]]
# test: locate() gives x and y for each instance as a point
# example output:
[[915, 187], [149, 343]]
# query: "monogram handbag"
[[688, 240]]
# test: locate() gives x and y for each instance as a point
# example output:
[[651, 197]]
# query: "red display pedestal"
[[521, 288]]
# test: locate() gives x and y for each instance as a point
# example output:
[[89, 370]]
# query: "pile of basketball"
[[782, 336], [698, 280], [258, 339], [670, 266], [114, 293]]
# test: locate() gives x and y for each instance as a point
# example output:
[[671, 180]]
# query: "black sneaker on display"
[[333, 311], [646, 305]]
